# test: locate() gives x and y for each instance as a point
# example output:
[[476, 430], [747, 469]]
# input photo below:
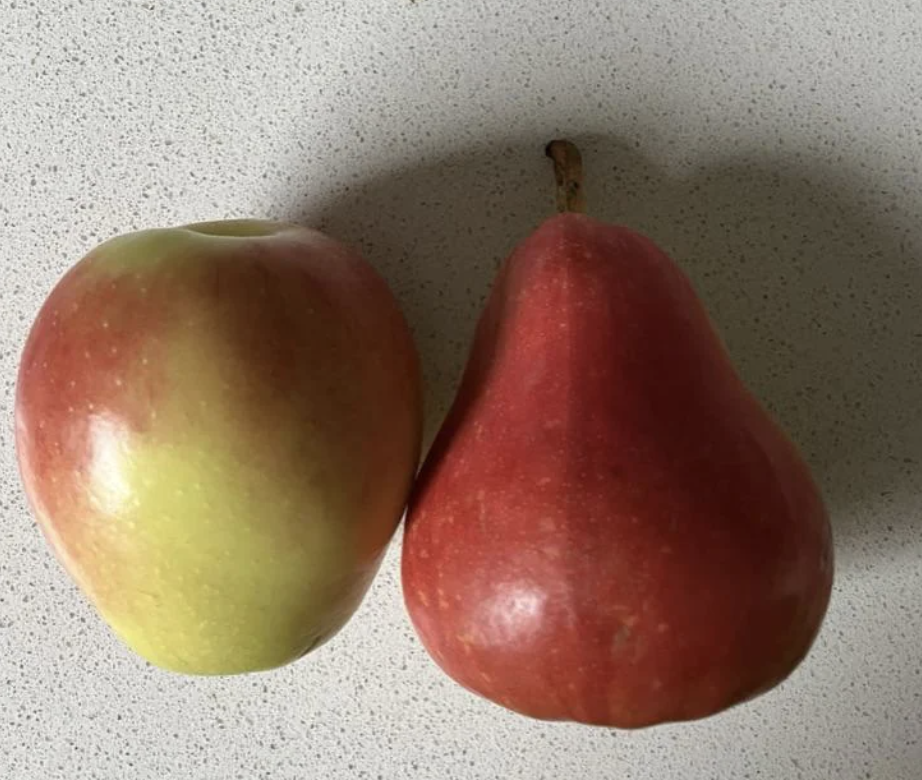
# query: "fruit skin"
[[217, 428], [609, 528]]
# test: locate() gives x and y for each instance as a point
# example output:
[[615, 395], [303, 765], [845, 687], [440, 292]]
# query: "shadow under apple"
[[810, 285]]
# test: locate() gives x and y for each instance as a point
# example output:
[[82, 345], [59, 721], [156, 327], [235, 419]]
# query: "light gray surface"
[[772, 148]]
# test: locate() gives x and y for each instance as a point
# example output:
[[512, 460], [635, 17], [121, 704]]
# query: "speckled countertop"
[[773, 148]]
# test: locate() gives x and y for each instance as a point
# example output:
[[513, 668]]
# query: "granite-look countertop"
[[772, 148]]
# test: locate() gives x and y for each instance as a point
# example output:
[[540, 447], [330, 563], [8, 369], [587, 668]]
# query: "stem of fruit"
[[568, 170]]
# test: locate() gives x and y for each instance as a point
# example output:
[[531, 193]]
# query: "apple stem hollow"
[[568, 171]]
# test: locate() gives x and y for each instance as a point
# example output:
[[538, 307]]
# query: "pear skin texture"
[[217, 428], [609, 528]]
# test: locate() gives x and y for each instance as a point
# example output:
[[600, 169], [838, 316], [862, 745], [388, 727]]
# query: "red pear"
[[610, 528]]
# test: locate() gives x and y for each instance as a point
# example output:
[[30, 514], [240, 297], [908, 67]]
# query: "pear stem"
[[568, 171]]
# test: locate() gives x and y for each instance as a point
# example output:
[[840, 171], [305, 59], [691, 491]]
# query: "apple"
[[217, 427]]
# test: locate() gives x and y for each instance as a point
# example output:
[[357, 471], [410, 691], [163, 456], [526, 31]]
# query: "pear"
[[610, 528]]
